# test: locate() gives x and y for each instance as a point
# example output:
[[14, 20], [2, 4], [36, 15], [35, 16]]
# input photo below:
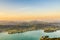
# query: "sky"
[[15, 10]]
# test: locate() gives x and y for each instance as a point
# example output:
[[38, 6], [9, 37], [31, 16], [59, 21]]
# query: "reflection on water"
[[31, 35]]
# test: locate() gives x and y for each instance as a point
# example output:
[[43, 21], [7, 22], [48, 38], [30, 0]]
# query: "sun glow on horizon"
[[30, 10]]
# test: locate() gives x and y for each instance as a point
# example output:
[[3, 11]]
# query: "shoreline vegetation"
[[29, 26], [31, 29], [47, 38]]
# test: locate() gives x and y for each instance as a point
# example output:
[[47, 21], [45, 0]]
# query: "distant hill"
[[26, 26]]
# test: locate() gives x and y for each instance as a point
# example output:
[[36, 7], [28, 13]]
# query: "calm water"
[[30, 35]]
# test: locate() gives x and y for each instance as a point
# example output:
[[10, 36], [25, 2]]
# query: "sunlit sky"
[[29, 10]]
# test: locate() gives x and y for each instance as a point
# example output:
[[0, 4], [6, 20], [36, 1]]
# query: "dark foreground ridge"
[[47, 38]]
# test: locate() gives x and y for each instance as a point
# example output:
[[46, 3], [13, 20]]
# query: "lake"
[[30, 35]]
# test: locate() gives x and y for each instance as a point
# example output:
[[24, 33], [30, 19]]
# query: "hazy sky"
[[29, 10]]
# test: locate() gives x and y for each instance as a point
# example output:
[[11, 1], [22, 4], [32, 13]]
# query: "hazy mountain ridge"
[[29, 23]]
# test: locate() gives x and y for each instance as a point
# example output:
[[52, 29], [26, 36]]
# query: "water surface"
[[30, 35]]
